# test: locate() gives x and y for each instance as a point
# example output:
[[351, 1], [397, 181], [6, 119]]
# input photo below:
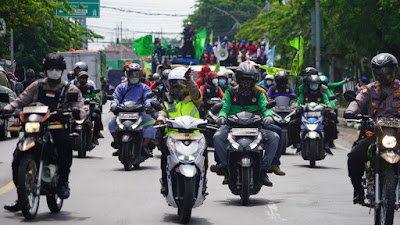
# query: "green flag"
[[165, 44], [217, 68], [211, 37], [143, 46], [199, 43], [297, 43], [296, 67]]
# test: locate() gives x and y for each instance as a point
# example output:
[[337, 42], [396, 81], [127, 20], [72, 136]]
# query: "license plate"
[[313, 114], [244, 131], [128, 116], [183, 136]]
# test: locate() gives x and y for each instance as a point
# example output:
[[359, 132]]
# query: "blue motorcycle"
[[312, 132]]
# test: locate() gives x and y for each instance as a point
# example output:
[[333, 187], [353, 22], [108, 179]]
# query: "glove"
[[188, 73], [76, 113], [349, 115], [221, 120], [113, 106], [267, 121], [8, 109]]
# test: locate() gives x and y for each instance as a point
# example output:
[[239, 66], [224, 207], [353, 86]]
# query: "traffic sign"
[[91, 8], [2, 27]]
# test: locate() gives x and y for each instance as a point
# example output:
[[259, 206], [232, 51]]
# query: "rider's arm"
[[262, 105], [226, 106], [270, 94], [221, 93], [146, 90], [362, 100], [26, 97], [117, 95], [335, 85], [325, 100], [194, 92], [300, 101], [162, 115]]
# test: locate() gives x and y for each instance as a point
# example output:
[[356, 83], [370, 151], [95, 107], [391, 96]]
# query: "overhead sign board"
[[83, 8]]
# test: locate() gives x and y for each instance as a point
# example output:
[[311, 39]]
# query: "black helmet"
[[82, 66], [54, 61], [281, 78], [30, 73], [71, 75], [308, 72], [246, 71], [384, 67], [313, 82]]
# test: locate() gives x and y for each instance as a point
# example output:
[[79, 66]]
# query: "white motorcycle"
[[186, 165]]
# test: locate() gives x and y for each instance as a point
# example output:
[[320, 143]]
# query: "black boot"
[[264, 178], [164, 187], [13, 207], [146, 152], [327, 149], [226, 178], [63, 190], [359, 196]]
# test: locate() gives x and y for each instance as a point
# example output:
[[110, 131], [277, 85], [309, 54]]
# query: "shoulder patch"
[[365, 90]]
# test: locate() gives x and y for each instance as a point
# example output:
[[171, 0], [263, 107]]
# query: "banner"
[[143, 45], [200, 41], [271, 56]]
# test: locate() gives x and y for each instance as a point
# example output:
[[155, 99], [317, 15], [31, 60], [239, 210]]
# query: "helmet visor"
[[383, 71], [133, 74]]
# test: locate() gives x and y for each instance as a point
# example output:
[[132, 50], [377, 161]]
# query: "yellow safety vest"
[[186, 107]]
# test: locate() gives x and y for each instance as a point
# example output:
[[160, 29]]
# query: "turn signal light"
[[369, 134]]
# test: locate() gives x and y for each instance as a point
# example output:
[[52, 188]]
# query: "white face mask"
[[54, 74], [134, 80], [229, 80], [269, 82], [215, 81]]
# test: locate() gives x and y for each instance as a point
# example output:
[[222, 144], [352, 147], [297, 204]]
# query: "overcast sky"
[[133, 24]]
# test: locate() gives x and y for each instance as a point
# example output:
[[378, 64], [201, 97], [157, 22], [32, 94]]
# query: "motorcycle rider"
[[312, 93], [70, 76], [282, 88], [184, 99], [133, 90], [253, 100], [222, 81], [30, 78], [210, 89], [380, 98], [267, 82], [78, 67], [88, 92], [202, 74], [48, 91]]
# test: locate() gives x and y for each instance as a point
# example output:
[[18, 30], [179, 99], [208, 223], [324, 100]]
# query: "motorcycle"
[[37, 172], [4, 120], [187, 165], [382, 170], [82, 130], [211, 117], [312, 132], [282, 114], [244, 154], [130, 134]]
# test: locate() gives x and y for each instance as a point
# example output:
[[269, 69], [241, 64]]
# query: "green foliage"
[[38, 31]]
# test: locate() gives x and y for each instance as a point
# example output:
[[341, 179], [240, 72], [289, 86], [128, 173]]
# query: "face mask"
[[222, 82], [269, 82], [215, 81], [82, 83], [54, 74], [229, 80], [134, 80], [314, 87]]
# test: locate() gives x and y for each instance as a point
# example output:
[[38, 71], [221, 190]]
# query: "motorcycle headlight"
[[32, 127], [312, 126], [389, 141]]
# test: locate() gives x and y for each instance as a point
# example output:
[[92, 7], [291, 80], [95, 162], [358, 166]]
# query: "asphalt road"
[[103, 193]]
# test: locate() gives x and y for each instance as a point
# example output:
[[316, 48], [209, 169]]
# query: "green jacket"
[[229, 109], [324, 100], [332, 86], [88, 92]]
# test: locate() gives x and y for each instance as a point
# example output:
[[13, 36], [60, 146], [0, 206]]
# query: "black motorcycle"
[[36, 158], [130, 134], [211, 117], [5, 120]]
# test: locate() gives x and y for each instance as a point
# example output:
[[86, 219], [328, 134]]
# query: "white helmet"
[[177, 74], [222, 74], [156, 76], [269, 77]]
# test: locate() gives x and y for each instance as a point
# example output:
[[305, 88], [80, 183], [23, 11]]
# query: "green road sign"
[[91, 9]]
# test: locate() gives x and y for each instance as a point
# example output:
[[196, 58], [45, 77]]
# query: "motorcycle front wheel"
[[186, 204], [54, 202], [312, 147], [245, 193], [80, 144], [384, 212], [27, 180], [127, 156], [283, 143]]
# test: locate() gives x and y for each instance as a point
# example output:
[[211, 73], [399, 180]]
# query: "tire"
[[54, 203], [384, 212], [312, 151], [14, 134], [245, 193], [186, 204], [27, 180], [284, 143], [3, 131], [80, 144], [126, 156]]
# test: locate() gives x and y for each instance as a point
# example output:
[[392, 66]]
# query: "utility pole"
[[12, 51], [120, 46], [317, 36]]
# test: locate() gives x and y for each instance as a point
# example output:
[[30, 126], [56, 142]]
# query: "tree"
[[38, 31]]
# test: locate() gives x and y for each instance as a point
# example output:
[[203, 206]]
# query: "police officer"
[[49, 92], [380, 98], [184, 100]]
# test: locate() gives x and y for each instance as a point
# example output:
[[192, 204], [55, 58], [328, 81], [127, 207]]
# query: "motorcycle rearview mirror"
[[331, 98], [270, 105], [96, 91], [349, 96], [293, 96], [72, 96], [216, 108], [150, 95], [156, 105]]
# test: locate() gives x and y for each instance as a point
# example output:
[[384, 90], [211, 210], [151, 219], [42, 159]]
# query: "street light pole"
[[317, 36]]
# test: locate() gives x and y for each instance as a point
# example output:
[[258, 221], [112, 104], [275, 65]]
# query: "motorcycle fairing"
[[26, 143], [390, 157], [187, 170]]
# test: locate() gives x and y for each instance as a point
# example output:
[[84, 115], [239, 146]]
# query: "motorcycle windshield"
[[282, 101]]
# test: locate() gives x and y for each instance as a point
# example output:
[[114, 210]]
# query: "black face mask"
[[82, 83]]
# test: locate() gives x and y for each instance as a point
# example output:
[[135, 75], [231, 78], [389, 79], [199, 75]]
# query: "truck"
[[96, 61]]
